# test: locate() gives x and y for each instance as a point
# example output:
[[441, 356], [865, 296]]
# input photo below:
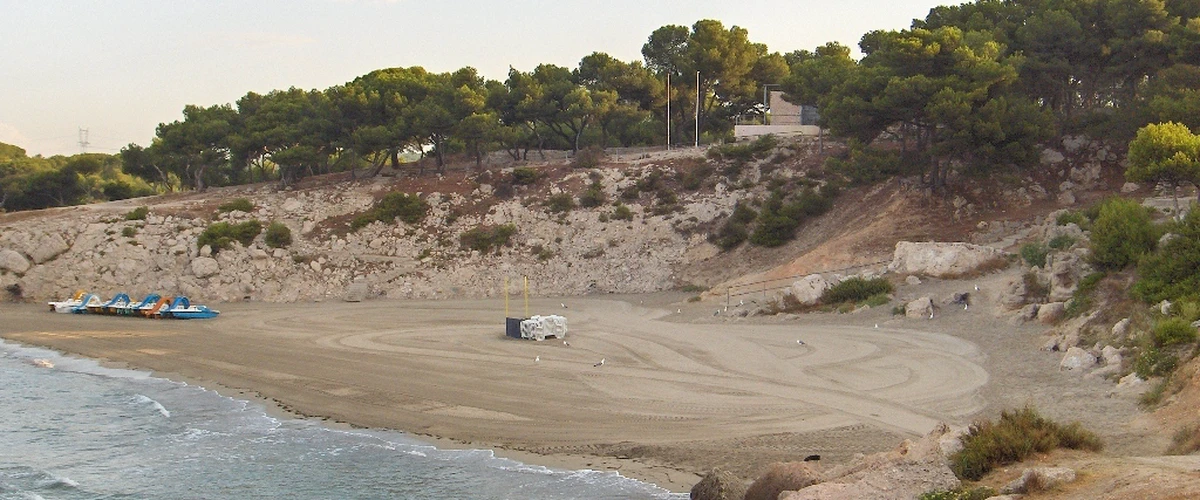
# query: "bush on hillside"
[[238, 204], [138, 213], [560, 203], [525, 176], [1014, 437], [1122, 234], [1034, 254], [1173, 331], [278, 235], [484, 239], [593, 196], [622, 212], [1170, 273], [221, 235], [856, 290], [589, 157], [408, 208], [862, 165], [741, 154]]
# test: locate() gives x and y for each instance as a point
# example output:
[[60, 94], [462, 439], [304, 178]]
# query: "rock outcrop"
[[781, 477], [942, 260], [910, 470], [719, 485]]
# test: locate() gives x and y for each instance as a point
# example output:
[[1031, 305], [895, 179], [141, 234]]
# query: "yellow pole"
[[506, 296], [527, 296]]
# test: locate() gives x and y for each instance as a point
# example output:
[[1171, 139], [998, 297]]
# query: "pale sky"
[[119, 68]]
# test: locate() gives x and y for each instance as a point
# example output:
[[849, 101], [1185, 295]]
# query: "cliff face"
[[52, 253]]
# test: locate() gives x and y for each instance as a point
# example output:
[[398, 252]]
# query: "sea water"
[[83, 431]]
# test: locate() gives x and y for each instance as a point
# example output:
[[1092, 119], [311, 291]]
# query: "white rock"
[[315, 265], [809, 289], [1046, 478], [912, 280], [1077, 359], [1050, 157], [1066, 198], [48, 247], [1111, 355], [1051, 313], [1131, 380], [1121, 328], [941, 260], [920, 308], [1129, 187], [204, 267]]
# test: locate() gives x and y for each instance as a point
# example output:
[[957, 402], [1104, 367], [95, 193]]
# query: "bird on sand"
[[568, 344], [601, 363], [679, 311], [876, 325], [930, 314], [564, 306], [800, 342], [718, 311], [965, 306], [537, 358], [976, 288]]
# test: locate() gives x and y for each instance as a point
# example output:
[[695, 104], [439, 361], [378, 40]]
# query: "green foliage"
[[525, 176], [1154, 362], [138, 213], [740, 154], [1014, 437], [1081, 299], [1121, 234], [856, 290], [593, 196], [622, 212], [1061, 242], [694, 178], [862, 165], [1072, 217], [278, 235], [588, 157], [221, 235], [238, 204], [1154, 395], [1170, 272], [410, 209], [484, 239], [735, 229], [1173, 331], [781, 217], [960, 493], [129, 231], [560, 203], [1034, 254], [1165, 153]]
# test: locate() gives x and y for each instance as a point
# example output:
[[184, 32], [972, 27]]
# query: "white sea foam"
[[155, 404]]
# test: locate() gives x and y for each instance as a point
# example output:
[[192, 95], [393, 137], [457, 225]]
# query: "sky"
[[118, 68]]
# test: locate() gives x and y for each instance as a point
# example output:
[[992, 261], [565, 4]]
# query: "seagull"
[[568, 344], [976, 288], [741, 302], [537, 358], [564, 306], [679, 311], [965, 306], [601, 363], [930, 314], [876, 325], [801, 342], [718, 311]]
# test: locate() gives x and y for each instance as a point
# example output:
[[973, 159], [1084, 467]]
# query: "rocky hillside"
[[662, 244]]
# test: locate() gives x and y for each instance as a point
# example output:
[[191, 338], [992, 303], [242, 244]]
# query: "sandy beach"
[[681, 391]]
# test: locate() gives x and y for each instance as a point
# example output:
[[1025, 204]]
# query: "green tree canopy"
[[1165, 152]]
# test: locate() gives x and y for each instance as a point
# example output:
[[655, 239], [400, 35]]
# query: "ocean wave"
[[51, 481], [155, 404]]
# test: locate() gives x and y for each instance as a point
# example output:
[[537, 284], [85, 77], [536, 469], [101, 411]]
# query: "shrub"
[[592, 197], [1170, 273], [1121, 234], [693, 179], [138, 213], [741, 153], [129, 231], [622, 212], [408, 208], [487, 238], [864, 165], [525, 176], [1062, 242], [560, 203], [1081, 300], [1033, 288], [856, 290], [1014, 437], [1153, 362], [238, 204], [221, 235], [588, 157], [1034, 254], [960, 493], [1185, 441], [1173, 331], [1071, 217], [278, 235], [731, 234]]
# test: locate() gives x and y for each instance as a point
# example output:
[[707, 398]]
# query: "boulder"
[[357, 291], [912, 469], [1111, 356], [808, 290], [1013, 296], [781, 477], [1121, 329], [1028, 313], [1051, 313], [13, 261], [1040, 479], [912, 280], [1129, 187], [1077, 359], [204, 267], [1131, 380], [1050, 157], [1065, 271], [719, 485], [48, 247], [1066, 198], [920, 308], [942, 260]]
